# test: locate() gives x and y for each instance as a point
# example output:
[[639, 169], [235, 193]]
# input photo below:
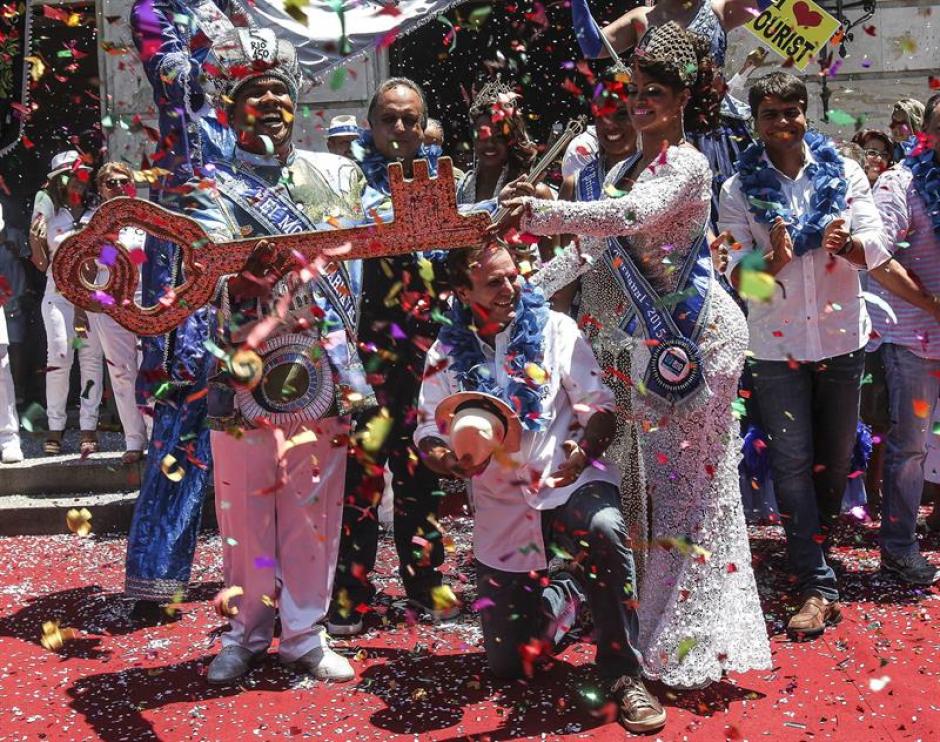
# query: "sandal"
[[52, 446], [88, 443], [133, 456]]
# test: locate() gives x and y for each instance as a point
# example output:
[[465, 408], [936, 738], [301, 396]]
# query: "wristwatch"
[[846, 247]]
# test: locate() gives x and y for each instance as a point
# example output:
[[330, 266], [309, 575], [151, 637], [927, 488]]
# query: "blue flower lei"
[[761, 187], [374, 164], [920, 160], [526, 345]]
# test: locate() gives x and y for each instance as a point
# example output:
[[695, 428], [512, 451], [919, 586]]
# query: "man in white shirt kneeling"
[[513, 400]]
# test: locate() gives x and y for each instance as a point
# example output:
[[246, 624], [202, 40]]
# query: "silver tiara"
[[671, 45], [493, 93]]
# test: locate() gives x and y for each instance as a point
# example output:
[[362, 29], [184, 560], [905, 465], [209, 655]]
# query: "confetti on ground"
[[114, 678]]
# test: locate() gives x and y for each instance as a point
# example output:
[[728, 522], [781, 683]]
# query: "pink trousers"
[[279, 502]]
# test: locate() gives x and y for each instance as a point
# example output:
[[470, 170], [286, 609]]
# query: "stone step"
[[55, 475], [42, 515]]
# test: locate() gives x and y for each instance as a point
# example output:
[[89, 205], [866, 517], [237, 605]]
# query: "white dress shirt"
[[580, 151], [58, 227], [507, 499], [817, 310]]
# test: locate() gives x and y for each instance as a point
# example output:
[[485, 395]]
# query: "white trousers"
[[120, 355], [279, 504], [9, 422], [58, 316]]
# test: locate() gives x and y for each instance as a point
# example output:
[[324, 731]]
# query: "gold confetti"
[[171, 468], [79, 521], [54, 638], [221, 601], [535, 372], [377, 430], [443, 597]]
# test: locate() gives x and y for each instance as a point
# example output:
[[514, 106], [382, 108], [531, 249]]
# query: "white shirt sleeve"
[[581, 376], [732, 218], [864, 221], [890, 197], [438, 384]]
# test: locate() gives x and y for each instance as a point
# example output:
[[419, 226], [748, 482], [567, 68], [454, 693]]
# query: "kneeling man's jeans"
[[522, 609]]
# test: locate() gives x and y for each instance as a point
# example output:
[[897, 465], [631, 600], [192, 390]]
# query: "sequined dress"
[[699, 610]]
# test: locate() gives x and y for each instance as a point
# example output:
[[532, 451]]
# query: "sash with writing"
[[674, 323], [273, 212]]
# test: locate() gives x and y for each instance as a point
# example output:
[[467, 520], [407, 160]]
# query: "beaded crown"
[[671, 45]]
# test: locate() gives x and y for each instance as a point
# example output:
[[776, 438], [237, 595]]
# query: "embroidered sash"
[[674, 371], [273, 212]]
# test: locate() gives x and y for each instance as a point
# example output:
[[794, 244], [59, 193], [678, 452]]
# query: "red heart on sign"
[[805, 17]]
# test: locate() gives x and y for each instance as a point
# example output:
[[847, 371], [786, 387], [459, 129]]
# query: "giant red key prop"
[[426, 218]]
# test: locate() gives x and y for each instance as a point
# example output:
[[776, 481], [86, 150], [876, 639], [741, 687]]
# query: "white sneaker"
[[324, 664], [12, 454]]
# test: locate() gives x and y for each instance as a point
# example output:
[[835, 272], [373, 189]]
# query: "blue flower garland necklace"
[[922, 163], [761, 186], [526, 346], [374, 164]]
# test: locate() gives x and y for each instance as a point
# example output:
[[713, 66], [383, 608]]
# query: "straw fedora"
[[477, 425]]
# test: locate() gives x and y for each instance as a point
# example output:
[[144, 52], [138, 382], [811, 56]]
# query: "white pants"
[[280, 510], [9, 422], [58, 316], [120, 355]]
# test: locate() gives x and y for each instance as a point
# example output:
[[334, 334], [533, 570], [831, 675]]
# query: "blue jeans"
[[809, 413], [910, 379], [522, 609]]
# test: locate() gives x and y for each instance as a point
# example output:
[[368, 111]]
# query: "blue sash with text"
[[671, 323]]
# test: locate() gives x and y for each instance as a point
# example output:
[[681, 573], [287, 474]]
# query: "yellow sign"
[[795, 29]]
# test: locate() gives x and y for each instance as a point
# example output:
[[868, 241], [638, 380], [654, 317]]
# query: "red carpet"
[[875, 677]]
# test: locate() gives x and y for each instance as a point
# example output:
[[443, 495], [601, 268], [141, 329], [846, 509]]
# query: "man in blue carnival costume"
[[513, 397], [806, 216], [174, 38], [908, 199], [395, 331], [281, 399]]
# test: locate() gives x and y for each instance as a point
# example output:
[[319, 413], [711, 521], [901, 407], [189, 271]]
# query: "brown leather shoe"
[[638, 709], [812, 619]]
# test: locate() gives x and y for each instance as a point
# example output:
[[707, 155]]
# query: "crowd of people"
[[715, 288]]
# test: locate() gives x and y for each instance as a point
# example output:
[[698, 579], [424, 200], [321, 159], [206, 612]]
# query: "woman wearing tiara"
[[729, 136], [699, 609], [502, 152]]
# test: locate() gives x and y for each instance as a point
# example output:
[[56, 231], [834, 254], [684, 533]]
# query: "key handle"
[[102, 230], [425, 218]]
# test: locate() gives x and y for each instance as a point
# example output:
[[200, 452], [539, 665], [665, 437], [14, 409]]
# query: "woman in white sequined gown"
[[699, 610]]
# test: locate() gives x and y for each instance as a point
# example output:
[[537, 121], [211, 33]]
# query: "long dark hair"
[[57, 188], [702, 111]]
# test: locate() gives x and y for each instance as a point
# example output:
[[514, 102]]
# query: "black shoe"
[[151, 613], [913, 569], [338, 624], [438, 602], [231, 663]]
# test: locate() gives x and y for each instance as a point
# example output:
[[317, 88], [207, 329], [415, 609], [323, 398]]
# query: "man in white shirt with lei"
[[555, 494], [806, 216]]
